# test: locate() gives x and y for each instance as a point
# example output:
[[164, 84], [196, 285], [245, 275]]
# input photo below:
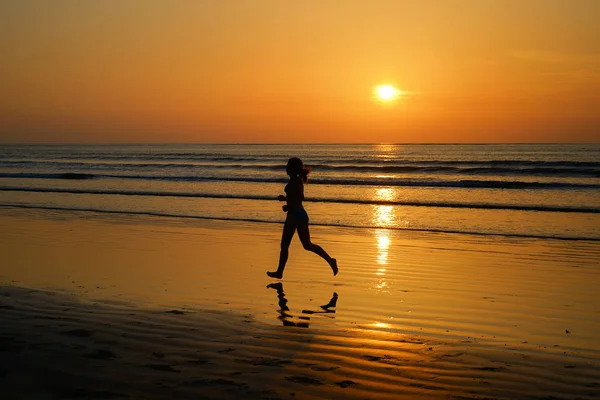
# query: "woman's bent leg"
[[304, 234]]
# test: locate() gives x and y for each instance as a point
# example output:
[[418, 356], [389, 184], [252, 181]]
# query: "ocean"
[[523, 190]]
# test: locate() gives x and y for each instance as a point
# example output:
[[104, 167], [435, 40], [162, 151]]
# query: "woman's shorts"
[[299, 214]]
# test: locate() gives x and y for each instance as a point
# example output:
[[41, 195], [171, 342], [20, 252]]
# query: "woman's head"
[[295, 167]]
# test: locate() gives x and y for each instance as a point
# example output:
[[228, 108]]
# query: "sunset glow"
[[229, 72]]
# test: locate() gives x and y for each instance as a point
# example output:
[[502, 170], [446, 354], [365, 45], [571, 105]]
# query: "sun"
[[386, 92]]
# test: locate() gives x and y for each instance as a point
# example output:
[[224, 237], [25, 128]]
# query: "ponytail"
[[304, 174]]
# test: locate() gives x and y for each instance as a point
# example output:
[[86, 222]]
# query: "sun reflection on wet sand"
[[382, 284], [381, 325], [383, 243]]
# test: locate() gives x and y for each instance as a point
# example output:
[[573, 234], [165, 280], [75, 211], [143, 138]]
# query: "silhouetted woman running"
[[297, 218]]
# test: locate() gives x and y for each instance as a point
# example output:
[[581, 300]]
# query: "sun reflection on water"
[[383, 215], [387, 151], [385, 194]]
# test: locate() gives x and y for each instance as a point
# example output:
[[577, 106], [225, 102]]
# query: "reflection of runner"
[[297, 218], [326, 309], [284, 315]]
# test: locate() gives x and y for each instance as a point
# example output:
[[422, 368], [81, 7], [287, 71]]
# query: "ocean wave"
[[461, 168], [377, 181], [516, 207], [29, 153], [317, 163], [258, 220]]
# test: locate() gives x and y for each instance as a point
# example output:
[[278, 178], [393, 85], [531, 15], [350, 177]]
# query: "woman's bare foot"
[[332, 303], [334, 267], [277, 275]]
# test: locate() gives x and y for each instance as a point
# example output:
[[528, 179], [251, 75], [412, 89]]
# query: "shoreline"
[[201, 219]]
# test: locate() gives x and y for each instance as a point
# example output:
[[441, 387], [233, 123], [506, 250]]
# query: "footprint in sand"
[[345, 384], [78, 333], [323, 369], [215, 382], [263, 361], [101, 355], [491, 369], [199, 361], [176, 312], [229, 350], [83, 393], [304, 380], [162, 367]]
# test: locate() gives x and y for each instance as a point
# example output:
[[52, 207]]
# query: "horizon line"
[[290, 143]]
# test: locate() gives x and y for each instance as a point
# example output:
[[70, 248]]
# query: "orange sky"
[[299, 71]]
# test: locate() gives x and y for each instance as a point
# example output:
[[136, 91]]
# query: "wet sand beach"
[[114, 306]]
